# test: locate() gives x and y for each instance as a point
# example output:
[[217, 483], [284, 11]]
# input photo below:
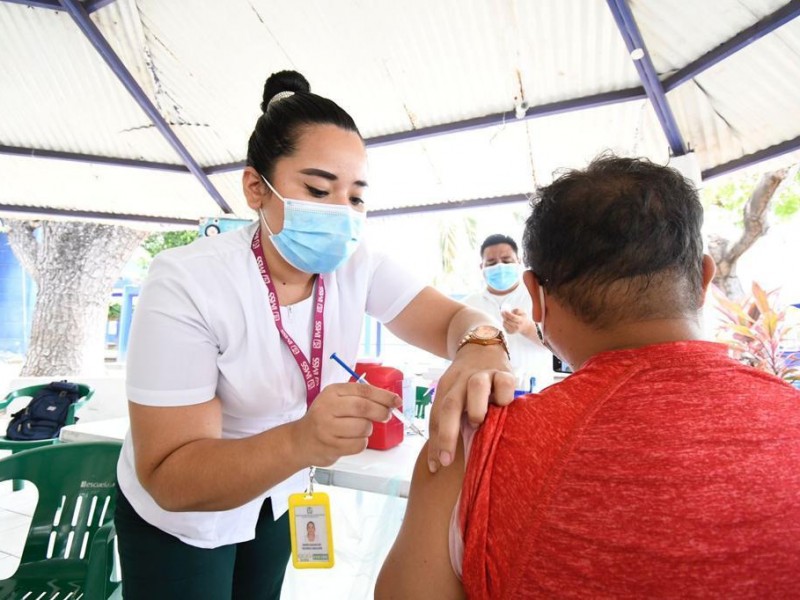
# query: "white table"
[[382, 471], [109, 430]]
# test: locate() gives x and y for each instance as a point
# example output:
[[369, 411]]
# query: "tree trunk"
[[756, 209], [74, 265], [726, 277]]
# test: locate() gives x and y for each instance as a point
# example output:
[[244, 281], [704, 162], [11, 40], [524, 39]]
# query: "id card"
[[310, 529]]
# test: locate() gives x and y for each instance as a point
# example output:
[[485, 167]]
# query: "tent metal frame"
[[653, 88]]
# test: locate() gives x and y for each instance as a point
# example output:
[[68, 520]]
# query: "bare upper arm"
[[425, 320], [418, 565], [158, 431]]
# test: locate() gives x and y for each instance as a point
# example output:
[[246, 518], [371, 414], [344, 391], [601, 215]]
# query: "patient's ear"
[[532, 284], [709, 270]]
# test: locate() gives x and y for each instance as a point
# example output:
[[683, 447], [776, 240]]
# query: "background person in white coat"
[[505, 299]]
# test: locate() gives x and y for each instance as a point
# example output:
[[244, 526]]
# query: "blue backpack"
[[46, 413]]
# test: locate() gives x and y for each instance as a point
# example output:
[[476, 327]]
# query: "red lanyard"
[[311, 372]]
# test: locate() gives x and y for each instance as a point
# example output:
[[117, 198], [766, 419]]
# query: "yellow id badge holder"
[[310, 528]]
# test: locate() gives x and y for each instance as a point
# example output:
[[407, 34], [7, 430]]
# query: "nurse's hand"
[[478, 375], [340, 421]]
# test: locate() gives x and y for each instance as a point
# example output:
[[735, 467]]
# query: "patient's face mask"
[[540, 326], [502, 276], [316, 237], [540, 331]]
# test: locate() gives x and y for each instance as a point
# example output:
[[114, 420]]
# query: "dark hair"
[[498, 238], [617, 241], [281, 121]]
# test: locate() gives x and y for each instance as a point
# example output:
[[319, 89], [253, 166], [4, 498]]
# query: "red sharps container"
[[390, 434]]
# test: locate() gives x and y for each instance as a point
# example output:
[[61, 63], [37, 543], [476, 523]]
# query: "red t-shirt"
[[669, 471]]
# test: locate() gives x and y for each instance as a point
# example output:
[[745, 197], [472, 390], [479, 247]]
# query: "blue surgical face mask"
[[502, 276], [540, 326], [316, 237]]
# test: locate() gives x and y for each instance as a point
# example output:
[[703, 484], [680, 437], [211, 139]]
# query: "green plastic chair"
[[69, 551], [422, 401], [85, 391]]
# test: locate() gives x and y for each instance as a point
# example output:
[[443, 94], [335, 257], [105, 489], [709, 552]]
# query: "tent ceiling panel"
[[678, 32], [574, 139], [58, 94], [746, 103], [246, 41], [570, 49], [396, 67], [200, 67], [758, 90], [711, 137]]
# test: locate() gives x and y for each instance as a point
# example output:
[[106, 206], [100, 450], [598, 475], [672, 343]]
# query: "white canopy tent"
[[141, 109]]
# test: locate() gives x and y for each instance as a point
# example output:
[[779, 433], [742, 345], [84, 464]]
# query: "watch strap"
[[471, 338]]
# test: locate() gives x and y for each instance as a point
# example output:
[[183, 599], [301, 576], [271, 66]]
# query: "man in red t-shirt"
[[660, 468]]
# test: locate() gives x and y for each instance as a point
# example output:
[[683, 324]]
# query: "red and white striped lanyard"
[[311, 371]]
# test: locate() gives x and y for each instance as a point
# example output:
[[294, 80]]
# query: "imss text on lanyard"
[[309, 512], [311, 371]]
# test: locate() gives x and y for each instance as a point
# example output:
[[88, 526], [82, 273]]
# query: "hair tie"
[[278, 97]]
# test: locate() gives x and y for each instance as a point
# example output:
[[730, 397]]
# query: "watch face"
[[485, 332]]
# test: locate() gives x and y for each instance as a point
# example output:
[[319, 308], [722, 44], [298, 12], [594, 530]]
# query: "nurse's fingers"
[[479, 386], [366, 401], [445, 425], [503, 386], [350, 428]]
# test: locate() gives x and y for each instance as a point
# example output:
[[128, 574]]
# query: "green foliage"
[[787, 204], [168, 239], [726, 198], [114, 310]]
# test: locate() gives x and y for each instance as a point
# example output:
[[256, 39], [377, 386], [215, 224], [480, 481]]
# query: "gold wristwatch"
[[484, 335]]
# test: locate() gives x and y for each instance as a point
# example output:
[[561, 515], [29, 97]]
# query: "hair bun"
[[283, 81]]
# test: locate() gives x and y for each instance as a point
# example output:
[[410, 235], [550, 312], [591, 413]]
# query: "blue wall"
[[17, 300]]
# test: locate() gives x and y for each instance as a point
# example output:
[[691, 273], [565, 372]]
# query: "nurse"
[[231, 395]]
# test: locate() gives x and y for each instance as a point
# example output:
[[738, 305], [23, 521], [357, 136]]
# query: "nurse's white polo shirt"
[[203, 327]]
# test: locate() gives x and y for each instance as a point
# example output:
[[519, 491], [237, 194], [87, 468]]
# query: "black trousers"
[[157, 565]]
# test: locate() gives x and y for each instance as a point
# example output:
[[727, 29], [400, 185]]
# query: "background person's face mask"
[[316, 237], [502, 276]]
